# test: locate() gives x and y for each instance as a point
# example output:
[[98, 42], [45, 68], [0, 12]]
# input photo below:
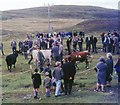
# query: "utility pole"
[[49, 19]]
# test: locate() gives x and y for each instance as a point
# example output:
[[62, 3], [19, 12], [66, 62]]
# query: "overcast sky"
[[20, 4]]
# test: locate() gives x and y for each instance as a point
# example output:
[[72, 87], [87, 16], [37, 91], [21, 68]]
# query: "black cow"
[[11, 60]]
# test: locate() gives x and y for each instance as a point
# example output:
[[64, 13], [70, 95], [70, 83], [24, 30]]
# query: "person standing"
[[115, 45], [57, 76], [94, 42], [101, 74], [47, 84], [61, 52], [14, 45], [20, 45], [109, 71], [55, 52], [40, 59], [117, 69], [80, 43], [75, 40], [48, 69], [69, 72], [36, 79], [1, 48], [68, 43], [88, 43], [25, 49]]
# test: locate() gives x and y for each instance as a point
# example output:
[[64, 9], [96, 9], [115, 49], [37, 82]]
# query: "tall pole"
[[48, 18]]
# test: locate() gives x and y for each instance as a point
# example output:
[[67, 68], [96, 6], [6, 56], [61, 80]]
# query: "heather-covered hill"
[[62, 18], [97, 25], [62, 11]]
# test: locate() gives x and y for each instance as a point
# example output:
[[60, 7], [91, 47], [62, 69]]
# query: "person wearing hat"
[[101, 74], [47, 84], [36, 79]]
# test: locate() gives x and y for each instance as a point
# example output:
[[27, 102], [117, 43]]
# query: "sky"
[[21, 4]]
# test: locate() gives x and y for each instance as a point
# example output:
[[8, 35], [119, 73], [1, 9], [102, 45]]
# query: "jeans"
[[58, 86]]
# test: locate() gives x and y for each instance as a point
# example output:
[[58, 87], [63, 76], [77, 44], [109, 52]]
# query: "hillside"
[[62, 18], [96, 25], [62, 11]]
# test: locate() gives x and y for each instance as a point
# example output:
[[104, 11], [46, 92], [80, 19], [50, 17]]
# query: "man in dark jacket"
[[109, 71], [94, 42], [68, 43], [88, 43], [55, 52], [41, 59], [69, 71]]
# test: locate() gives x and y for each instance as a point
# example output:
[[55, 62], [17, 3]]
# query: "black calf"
[[11, 60]]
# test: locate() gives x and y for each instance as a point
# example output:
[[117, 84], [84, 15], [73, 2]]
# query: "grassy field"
[[27, 25], [17, 85]]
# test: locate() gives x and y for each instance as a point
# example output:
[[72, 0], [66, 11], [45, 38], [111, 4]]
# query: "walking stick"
[[31, 69]]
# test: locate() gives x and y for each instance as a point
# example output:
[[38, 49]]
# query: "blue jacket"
[[55, 51]]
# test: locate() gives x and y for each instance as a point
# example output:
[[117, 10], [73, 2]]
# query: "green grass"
[[17, 85]]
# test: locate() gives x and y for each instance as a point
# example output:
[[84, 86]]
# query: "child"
[[48, 69], [36, 78], [47, 84]]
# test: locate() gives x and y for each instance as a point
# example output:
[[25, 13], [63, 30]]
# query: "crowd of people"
[[66, 71], [104, 69], [53, 80], [110, 42]]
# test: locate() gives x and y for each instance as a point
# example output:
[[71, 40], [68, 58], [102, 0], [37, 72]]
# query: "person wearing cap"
[[47, 83], [57, 76], [36, 79], [101, 74], [109, 71]]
